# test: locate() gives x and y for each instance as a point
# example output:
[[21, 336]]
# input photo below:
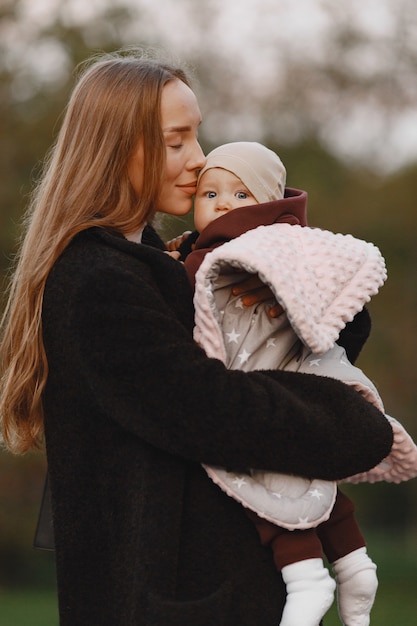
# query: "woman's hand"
[[174, 254], [173, 244], [254, 291]]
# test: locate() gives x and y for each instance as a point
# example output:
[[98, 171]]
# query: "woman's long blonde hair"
[[115, 103]]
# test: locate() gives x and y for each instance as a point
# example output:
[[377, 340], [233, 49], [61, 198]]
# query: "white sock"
[[356, 587], [310, 593]]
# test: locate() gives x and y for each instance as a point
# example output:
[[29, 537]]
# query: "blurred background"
[[332, 88]]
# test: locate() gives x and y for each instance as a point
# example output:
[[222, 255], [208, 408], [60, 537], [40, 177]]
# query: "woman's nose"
[[198, 159]]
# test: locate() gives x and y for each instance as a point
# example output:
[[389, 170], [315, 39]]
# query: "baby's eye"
[[242, 195], [211, 194]]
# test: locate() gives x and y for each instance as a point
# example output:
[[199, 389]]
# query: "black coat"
[[133, 406]]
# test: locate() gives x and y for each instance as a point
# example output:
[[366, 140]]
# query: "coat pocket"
[[207, 611]]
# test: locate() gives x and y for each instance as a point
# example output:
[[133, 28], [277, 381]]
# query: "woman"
[[98, 357]]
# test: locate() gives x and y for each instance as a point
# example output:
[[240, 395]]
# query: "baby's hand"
[[254, 291]]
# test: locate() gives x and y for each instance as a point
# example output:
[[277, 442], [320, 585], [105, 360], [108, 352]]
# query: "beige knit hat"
[[259, 169]]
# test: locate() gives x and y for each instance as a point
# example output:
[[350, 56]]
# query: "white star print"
[[315, 493], [277, 494], [314, 362], [239, 482], [270, 343], [244, 356], [303, 520], [233, 336], [239, 304]]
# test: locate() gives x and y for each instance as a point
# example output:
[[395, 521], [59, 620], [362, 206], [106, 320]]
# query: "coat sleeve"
[[140, 367], [353, 337]]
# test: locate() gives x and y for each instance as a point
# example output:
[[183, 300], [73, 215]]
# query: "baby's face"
[[218, 192]]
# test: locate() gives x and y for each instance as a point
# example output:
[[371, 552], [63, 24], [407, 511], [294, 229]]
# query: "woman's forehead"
[[179, 108]]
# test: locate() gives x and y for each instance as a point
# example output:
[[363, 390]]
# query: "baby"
[[262, 229]]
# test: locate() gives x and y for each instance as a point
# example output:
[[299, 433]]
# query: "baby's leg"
[[344, 545], [356, 587], [310, 593], [298, 555]]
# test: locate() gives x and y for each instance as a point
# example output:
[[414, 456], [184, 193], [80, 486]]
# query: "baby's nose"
[[223, 203]]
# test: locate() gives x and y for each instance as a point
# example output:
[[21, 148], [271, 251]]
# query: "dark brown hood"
[[292, 209]]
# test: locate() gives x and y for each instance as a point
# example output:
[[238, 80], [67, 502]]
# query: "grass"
[[28, 608], [396, 601]]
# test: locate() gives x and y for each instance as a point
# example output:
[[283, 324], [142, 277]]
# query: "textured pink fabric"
[[321, 279]]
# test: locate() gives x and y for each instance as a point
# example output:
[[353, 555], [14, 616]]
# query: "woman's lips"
[[189, 188]]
